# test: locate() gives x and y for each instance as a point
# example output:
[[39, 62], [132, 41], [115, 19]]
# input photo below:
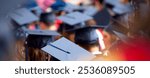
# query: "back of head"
[[47, 18]]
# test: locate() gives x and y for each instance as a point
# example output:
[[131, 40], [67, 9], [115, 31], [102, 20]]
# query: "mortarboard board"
[[71, 7], [39, 38], [23, 16], [102, 17], [47, 17], [74, 18], [86, 35], [63, 52]]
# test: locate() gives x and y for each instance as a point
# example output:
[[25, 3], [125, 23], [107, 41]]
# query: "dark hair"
[[101, 1], [88, 46], [47, 18], [36, 55]]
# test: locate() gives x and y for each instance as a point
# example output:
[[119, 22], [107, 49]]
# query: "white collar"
[[97, 52]]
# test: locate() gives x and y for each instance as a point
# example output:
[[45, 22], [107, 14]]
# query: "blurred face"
[[43, 26], [52, 27], [98, 5], [108, 39]]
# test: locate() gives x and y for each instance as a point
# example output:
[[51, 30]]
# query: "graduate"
[[35, 40], [18, 22], [58, 7], [87, 38], [47, 21], [71, 21]]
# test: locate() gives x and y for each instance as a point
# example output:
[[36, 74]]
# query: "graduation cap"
[[47, 18], [86, 35], [63, 52], [74, 20], [23, 16], [59, 5], [39, 38], [71, 8], [102, 17]]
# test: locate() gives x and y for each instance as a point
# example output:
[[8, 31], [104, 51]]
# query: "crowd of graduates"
[[105, 30]]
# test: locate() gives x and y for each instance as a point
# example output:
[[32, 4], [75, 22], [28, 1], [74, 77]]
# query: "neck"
[[94, 49]]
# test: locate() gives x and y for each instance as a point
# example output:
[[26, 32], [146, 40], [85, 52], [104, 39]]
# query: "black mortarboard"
[[23, 16], [18, 18], [86, 35], [47, 18], [102, 17], [61, 50], [39, 38], [74, 20]]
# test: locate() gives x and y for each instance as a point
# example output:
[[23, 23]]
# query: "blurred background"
[[118, 30]]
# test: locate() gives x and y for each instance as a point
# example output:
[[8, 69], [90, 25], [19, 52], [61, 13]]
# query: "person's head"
[[36, 40], [47, 21], [58, 7], [99, 3], [63, 29], [90, 47], [36, 54], [72, 21], [87, 38]]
